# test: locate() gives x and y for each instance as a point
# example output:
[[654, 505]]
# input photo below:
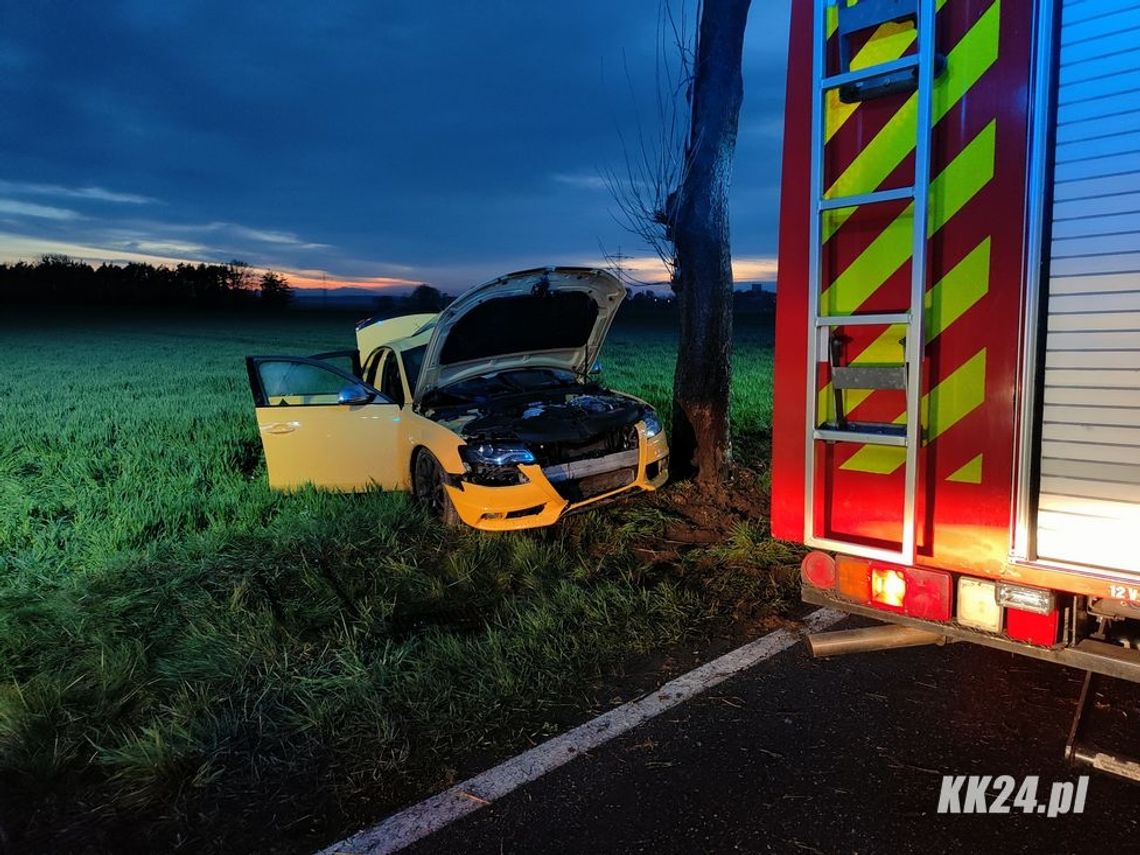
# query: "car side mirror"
[[596, 368], [354, 393]]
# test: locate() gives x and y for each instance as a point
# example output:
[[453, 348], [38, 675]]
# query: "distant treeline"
[[647, 303], [423, 298], [57, 280]]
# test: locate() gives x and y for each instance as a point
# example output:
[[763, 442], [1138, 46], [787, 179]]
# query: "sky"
[[377, 143]]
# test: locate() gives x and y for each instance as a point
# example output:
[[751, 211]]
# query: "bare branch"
[[645, 189]]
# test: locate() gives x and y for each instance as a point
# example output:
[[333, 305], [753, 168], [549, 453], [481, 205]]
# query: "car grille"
[[580, 489]]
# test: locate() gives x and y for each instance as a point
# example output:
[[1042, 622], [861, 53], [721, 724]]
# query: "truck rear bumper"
[[1086, 655]]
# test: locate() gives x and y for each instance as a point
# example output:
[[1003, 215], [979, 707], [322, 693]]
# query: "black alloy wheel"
[[428, 479]]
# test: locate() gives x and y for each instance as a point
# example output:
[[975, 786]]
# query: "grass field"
[[188, 659]]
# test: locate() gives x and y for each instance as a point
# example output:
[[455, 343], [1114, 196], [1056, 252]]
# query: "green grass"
[[187, 658]]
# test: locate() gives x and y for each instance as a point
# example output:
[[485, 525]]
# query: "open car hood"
[[554, 317]]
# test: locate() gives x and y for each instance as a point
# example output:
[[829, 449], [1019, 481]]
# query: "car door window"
[[346, 360], [299, 383], [391, 383], [413, 362], [371, 365]]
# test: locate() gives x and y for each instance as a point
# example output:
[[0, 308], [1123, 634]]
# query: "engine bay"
[[553, 414], [556, 428]]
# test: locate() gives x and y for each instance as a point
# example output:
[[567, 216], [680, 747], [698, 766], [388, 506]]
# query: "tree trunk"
[[701, 384]]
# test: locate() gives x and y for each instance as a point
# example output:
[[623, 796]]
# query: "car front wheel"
[[428, 479]]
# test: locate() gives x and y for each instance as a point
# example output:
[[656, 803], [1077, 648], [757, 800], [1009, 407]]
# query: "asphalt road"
[[829, 756]]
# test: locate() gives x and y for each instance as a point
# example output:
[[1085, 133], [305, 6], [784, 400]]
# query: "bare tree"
[[675, 197], [654, 165], [275, 289]]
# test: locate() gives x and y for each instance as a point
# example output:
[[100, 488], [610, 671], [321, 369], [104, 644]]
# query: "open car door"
[[346, 360], [320, 425]]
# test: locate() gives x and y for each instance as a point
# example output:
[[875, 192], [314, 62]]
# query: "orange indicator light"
[[854, 578]]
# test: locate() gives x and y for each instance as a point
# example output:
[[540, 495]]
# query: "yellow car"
[[486, 411]]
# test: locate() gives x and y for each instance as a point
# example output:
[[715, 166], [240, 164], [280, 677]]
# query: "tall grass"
[[187, 657]]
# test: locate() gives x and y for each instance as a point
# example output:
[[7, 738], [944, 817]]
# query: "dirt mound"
[[719, 541], [711, 515]]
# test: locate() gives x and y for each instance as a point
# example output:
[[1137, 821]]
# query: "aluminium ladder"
[[914, 72]]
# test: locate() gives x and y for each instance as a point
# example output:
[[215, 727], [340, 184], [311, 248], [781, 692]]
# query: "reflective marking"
[[970, 473], [950, 298], [889, 42], [429, 816], [945, 405], [967, 173], [956, 292], [966, 63]]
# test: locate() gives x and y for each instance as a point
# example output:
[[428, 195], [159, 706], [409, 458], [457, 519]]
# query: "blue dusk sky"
[[351, 142]]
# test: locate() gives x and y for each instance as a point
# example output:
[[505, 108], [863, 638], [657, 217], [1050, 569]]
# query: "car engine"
[[557, 427]]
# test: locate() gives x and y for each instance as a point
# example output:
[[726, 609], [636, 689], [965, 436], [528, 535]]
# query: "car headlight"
[[495, 464], [652, 424], [489, 454]]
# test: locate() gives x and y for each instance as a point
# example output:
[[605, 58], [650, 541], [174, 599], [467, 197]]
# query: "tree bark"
[[702, 380]]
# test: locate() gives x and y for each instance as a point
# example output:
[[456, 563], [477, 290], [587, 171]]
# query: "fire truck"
[[956, 434]]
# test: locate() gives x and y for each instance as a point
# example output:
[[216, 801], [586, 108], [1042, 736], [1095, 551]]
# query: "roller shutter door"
[[1089, 503]]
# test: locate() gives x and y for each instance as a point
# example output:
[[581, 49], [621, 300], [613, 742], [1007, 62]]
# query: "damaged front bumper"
[[552, 491]]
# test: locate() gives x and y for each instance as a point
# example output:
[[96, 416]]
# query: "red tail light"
[[818, 569], [1034, 628], [914, 591], [928, 594]]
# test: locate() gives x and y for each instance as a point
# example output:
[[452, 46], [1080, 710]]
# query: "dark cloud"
[[444, 140]]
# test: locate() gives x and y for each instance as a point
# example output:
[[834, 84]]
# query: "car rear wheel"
[[428, 479]]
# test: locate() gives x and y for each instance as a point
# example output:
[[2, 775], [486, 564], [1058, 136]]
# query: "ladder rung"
[[863, 437], [869, 377], [877, 197], [872, 71], [862, 320]]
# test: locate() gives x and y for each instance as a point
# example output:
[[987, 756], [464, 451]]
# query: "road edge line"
[[438, 811]]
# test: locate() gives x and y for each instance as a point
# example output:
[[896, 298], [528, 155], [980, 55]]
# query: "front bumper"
[[537, 502]]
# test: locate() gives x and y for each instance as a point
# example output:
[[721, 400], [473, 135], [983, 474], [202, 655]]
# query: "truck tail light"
[[977, 604], [918, 592], [888, 587], [1032, 627], [928, 594], [818, 570], [853, 578], [1037, 600]]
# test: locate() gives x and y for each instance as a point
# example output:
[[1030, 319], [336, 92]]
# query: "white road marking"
[[430, 815]]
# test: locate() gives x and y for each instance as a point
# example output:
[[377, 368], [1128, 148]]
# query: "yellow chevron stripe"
[[954, 294], [946, 404], [968, 60], [969, 473], [957, 396], [954, 187], [948, 299], [888, 42]]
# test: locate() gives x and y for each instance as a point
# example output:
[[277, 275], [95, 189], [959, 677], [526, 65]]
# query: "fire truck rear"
[[957, 413]]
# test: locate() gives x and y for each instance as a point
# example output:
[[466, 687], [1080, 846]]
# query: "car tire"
[[428, 480]]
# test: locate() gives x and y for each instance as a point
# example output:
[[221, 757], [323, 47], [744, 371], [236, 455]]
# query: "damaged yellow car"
[[487, 411]]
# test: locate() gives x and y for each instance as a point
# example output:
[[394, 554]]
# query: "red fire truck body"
[[960, 442]]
